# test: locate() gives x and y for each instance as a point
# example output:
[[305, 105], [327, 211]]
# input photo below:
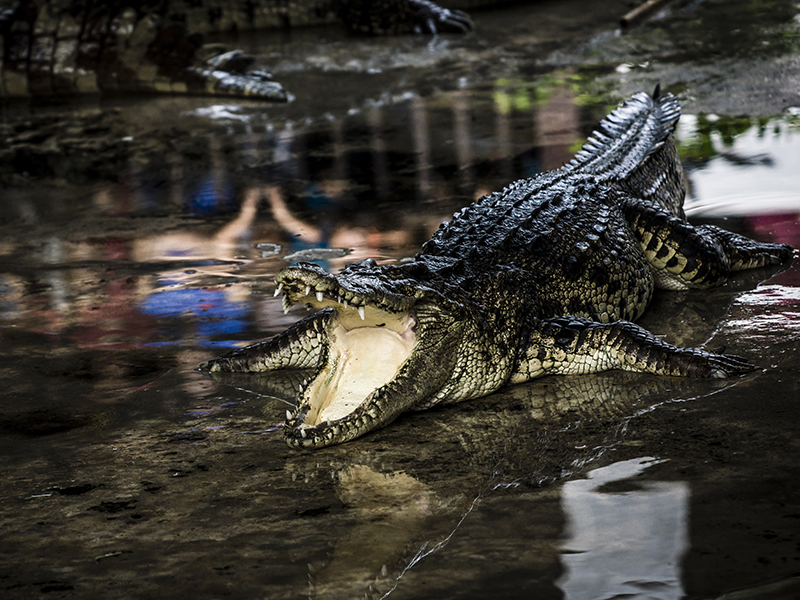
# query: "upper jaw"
[[307, 283]]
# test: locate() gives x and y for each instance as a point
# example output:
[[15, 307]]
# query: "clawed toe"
[[456, 21], [729, 365], [434, 19]]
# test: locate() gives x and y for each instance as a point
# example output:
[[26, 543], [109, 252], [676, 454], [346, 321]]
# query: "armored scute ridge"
[[542, 278]]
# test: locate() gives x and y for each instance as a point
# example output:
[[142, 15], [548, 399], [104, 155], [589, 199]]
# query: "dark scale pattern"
[[554, 232]]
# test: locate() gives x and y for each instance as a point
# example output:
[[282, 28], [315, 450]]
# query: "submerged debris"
[[317, 254]]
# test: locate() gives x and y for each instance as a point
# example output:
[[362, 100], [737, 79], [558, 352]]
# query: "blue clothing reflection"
[[211, 312]]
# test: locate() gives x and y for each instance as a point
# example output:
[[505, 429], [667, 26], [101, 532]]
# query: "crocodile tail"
[[628, 135], [659, 178], [633, 147]]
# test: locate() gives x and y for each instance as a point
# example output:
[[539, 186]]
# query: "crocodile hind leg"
[[571, 346], [683, 256], [299, 347]]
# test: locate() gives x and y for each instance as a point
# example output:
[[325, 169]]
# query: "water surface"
[[140, 237]]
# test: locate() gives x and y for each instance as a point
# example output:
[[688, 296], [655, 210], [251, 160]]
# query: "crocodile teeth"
[[319, 296], [361, 312], [308, 290], [303, 433], [278, 290], [345, 303], [288, 415]]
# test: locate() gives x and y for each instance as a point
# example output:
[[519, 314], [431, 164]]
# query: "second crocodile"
[[544, 277], [55, 48]]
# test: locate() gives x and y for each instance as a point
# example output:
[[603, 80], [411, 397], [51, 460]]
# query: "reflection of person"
[[365, 241], [216, 311], [223, 245]]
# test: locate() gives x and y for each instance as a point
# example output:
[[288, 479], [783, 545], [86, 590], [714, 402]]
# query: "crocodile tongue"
[[363, 356], [366, 348]]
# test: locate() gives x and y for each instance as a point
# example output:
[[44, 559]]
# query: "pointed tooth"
[[327, 422], [345, 303], [319, 296], [361, 313], [308, 290], [303, 433], [288, 415], [339, 299], [278, 290]]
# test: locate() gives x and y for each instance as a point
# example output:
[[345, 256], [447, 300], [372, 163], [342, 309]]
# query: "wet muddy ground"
[[139, 237]]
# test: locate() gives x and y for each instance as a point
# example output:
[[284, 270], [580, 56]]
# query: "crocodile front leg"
[[299, 347], [570, 346], [683, 256], [253, 85]]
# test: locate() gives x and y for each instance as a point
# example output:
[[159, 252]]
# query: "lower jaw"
[[317, 438]]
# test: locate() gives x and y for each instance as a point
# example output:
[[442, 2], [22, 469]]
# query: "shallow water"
[[139, 237]]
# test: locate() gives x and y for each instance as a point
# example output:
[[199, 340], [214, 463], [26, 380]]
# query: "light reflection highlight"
[[624, 538]]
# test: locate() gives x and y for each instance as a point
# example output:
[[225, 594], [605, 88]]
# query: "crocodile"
[[63, 47], [542, 278]]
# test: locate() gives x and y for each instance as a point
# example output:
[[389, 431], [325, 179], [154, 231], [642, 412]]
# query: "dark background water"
[[139, 237]]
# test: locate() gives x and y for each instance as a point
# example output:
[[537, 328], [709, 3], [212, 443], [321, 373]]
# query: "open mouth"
[[366, 347]]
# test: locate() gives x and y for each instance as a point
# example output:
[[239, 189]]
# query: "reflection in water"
[[724, 164], [557, 129], [412, 504], [97, 304], [502, 136], [624, 538], [378, 152], [390, 511], [461, 137], [758, 314], [422, 146]]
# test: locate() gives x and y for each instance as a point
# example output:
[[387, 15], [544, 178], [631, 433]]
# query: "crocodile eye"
[[369, 262]]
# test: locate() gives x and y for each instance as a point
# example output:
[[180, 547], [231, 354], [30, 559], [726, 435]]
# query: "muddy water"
[[139, 237]]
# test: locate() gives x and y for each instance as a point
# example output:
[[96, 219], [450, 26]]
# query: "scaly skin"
[[542, 278], [58, 47]]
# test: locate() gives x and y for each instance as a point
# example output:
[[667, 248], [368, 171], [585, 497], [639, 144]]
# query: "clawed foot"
[[432, 18], [783, 253], [722, 366]]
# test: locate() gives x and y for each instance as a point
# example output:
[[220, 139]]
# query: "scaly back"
[[633, 148]]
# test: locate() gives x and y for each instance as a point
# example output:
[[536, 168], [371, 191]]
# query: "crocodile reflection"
[[405, 508]]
